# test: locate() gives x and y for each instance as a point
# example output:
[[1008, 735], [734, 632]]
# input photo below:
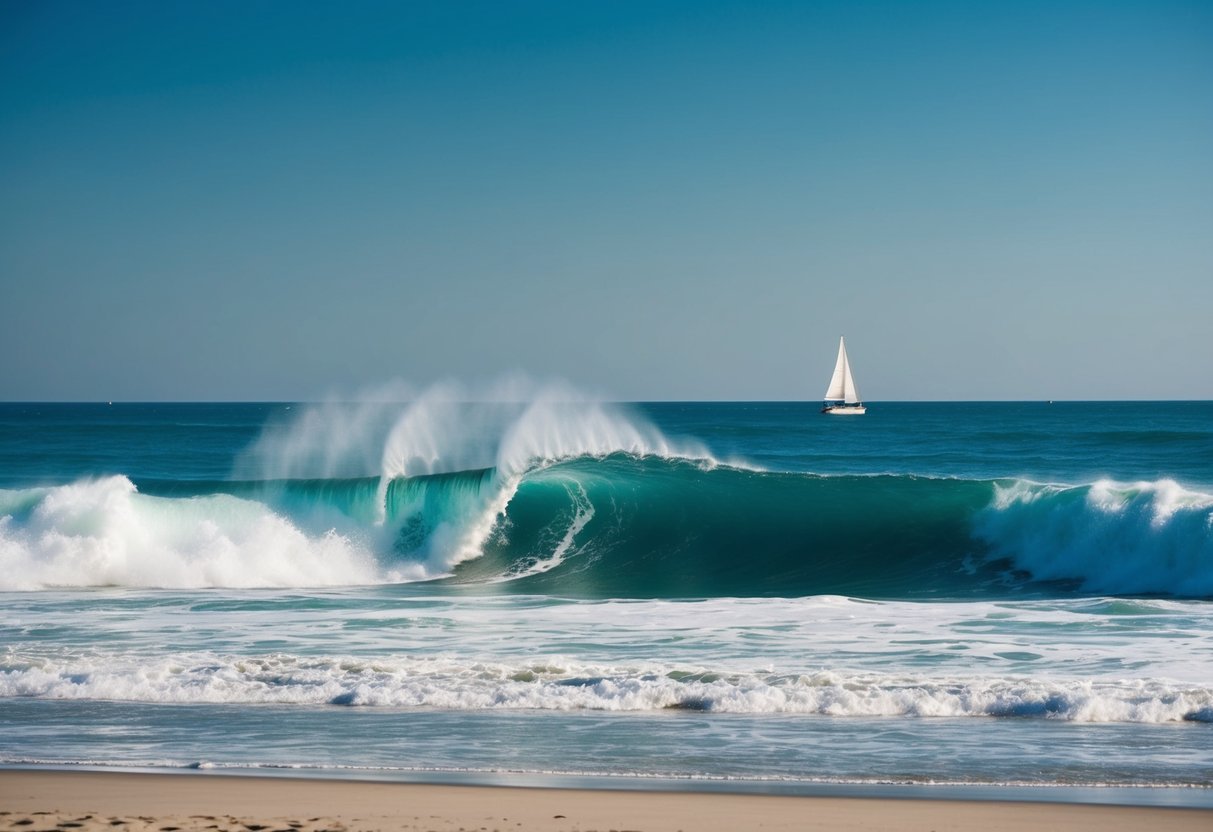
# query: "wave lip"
[[452, 683]]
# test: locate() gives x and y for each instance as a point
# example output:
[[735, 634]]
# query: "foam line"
[[556, 684]]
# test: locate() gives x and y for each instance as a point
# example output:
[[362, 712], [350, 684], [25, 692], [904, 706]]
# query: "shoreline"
[[1188, 796], [91, 801]]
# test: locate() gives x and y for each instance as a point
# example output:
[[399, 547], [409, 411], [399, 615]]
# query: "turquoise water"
[[751, 594]]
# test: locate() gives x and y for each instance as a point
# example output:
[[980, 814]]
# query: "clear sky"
[[251, 200]]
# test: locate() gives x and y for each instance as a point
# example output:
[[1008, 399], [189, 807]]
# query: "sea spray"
[[512, 425]]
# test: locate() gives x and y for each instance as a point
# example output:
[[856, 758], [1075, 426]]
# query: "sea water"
[[537, 586]]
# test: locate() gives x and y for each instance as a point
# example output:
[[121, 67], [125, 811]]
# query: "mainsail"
[[842, 385]]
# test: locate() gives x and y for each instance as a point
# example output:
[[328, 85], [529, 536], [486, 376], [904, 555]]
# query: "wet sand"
[[58, 801]]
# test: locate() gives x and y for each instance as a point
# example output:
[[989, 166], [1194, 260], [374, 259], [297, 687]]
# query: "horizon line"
[[104, 402]]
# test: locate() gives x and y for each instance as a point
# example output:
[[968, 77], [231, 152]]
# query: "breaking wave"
[[620, 526]]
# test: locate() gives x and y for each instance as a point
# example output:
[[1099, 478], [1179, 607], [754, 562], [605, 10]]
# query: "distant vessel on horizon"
[[842, 396]]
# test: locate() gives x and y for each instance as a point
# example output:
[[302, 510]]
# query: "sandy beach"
[[37, 801]]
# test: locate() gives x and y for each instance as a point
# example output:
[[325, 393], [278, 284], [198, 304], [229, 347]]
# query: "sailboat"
[[842, 396]]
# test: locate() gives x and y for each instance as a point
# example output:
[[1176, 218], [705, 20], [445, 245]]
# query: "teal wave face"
[[627, 527], [656, 528]]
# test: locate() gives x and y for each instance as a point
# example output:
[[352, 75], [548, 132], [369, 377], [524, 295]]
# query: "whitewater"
[[516, 578]]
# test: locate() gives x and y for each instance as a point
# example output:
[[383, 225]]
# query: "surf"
[[452, 683]]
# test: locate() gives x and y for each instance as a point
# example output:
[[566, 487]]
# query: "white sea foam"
[[557, 683], [102, 532], [1112, 537]]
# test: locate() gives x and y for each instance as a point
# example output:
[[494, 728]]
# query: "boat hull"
[[845, 410]]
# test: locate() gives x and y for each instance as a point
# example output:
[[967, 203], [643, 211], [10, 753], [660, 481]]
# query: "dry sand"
[[54, 801]]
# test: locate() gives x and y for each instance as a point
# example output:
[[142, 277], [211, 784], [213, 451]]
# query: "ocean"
[[542, 588]]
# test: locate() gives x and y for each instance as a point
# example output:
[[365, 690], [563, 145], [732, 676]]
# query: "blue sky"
[[652, 200]]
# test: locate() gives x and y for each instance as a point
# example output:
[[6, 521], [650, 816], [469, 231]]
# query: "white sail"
[[842, 385], [851, 391]]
